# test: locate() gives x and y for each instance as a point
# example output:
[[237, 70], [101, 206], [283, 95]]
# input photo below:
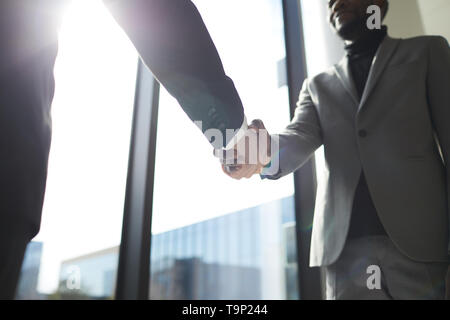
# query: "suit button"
[[362, 133], [212, 112]]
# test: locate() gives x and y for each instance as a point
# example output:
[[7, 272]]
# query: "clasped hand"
[[249, 155]]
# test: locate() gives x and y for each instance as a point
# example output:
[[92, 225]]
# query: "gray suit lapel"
[[379, 63], [382, 57], [343, 72]]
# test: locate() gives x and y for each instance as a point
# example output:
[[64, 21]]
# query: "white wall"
[[436, 17], [409, 18], [404, 19]]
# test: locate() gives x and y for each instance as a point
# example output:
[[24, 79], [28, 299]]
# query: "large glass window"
[[75, 255], [214, 237], [323, 49]]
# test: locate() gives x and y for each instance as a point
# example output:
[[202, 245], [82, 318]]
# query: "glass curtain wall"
[[214, 237], [75, 255]]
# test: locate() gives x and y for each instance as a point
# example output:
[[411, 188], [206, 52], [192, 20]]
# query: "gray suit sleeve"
[[298, 141], [438, 89]]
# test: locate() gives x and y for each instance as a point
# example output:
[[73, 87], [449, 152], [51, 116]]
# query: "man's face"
[[348, 17]]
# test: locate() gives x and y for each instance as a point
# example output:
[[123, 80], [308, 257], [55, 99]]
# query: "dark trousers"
[[24, 149], [13, 243], [28, 48]]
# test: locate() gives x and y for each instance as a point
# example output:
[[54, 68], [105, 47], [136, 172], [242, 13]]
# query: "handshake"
[[250, 154]]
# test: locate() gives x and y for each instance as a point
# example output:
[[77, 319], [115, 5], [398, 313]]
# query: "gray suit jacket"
[[399, 134]]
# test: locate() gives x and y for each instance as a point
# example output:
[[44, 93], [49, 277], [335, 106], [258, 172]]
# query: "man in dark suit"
[[173, 42], [381, 220]]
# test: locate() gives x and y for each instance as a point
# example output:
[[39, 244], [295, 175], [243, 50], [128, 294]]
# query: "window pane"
[[228, 239], [323, 49], [75, 255]]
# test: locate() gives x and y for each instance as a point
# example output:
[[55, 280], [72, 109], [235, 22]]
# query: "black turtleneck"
[[360, 54], [364, 217]]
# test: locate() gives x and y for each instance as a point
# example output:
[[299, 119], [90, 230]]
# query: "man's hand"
[[250, 155]]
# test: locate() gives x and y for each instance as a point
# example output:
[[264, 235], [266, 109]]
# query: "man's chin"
[[350, 29]]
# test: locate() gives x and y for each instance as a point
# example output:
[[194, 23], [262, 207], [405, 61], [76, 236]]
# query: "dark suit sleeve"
[[438, 89], [173, 42]]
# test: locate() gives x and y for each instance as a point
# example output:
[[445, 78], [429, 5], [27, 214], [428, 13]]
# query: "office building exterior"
[[248, 254]]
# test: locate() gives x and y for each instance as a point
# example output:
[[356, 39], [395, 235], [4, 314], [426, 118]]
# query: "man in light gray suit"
[[381, 222]]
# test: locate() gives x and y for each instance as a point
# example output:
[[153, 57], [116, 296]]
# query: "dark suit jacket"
[[170, 37], [173, 41]]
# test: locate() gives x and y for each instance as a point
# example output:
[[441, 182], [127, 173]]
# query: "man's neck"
[[367, 41]]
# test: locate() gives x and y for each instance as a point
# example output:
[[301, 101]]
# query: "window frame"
[[133, 274]]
